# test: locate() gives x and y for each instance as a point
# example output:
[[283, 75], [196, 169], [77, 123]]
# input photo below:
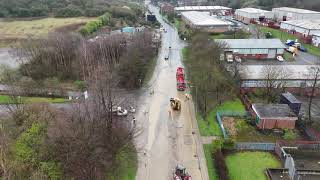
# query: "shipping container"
[[293, 102]]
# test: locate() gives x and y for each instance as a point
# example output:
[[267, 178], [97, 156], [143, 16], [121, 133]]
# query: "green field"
[[4, 99], [241, 35], [213, 128], [40, 27], [285, 36], [210, 161], [250, 165]]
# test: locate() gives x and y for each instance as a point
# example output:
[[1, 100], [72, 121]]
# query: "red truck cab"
[[181, 84]]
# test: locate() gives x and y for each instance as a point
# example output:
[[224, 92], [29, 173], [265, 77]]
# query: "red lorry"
[[181, 84]]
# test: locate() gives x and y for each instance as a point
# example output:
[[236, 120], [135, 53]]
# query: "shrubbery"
[[93, 26], [69, 12]]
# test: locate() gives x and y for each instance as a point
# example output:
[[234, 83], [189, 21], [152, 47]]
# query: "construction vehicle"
[[175, 104], [180, 173]]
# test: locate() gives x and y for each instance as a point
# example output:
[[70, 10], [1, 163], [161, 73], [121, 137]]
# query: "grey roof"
[[252, 10], [296, 10], [290, 97], [306, 23], [253, 43], [273, 111], [203, 19], [202, 8]]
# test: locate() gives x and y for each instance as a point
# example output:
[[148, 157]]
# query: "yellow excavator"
[[175, 104]]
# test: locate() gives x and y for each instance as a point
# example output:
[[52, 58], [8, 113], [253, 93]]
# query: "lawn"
[[40, 27], [239, 35], [4, 99], [213, 128], [250, 165], [177, 23], [210, 161], [127, 160], [284, 36]]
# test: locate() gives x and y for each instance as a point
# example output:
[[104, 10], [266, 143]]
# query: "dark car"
[[302, 48]]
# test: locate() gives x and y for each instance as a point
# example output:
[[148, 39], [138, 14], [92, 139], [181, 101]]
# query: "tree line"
[[60, 8]]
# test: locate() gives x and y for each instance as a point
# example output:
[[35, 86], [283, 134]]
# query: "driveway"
[[167, 137]]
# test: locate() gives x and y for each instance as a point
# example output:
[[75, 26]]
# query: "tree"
[[257, 31], [273, 80], [314, 74]]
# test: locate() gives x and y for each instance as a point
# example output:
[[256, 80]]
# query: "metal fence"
[[225, 136], [255, 146]]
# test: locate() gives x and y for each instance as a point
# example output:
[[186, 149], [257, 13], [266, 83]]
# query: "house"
[[254, 48], [205, 22], [274, 116], [302, 28], [316, 39], [248, 15], [221, 10], [288, 14]]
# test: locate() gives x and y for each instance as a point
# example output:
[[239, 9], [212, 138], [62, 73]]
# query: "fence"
[[220, 114], [255, 146]]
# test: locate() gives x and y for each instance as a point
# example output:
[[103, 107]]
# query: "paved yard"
[[314, 108]]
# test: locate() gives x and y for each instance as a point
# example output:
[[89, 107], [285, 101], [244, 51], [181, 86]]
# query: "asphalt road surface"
[[167, 137]]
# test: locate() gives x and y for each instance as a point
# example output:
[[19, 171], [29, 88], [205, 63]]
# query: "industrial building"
[[248, 15], [288, 13], [295, 78], [274, 116], [213, 9], [301, 28], [316, 40], [254, 48], [205, 22]]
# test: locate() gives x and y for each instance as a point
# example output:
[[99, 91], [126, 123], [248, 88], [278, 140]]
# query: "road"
[[168, 137]]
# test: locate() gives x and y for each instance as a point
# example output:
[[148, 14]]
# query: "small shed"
[[274, 116], [293, 102], [128, 30]]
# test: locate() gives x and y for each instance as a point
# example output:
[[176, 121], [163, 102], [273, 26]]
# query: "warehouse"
[[248, 15], [205, 22], [287, 14], [274, 116], [213, 9], [302, 28], [254, 48], [293, 78]]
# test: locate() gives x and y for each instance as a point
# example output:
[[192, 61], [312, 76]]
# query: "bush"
[[228, 144], [94, 12], [93, 26], [81, 85], [289, 134], [119, 12]]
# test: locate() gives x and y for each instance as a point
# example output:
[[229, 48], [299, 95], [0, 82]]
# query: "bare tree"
[[314, 74], [257, 31], [273, 80]]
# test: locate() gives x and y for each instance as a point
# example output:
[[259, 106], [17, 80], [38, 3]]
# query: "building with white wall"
[[316, 40], [247, 15], [213, 9], [288, 13], [254, 48], [301, 28], [205, 22]]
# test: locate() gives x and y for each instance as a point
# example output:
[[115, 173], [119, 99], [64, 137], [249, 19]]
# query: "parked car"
[[290, 42], [302, 48], [280, 58]]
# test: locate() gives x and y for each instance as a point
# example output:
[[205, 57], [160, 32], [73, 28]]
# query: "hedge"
[[93, 26]]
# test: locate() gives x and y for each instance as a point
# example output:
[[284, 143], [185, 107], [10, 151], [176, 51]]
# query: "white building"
[[302, 28], [214, 9], [203, 21], [316, 40], [254, 48], [287, 14], [247, 15]]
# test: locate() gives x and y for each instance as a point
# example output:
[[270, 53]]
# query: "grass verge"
[[285, 36], [250, 165], [127, 162], [210, 161], [210, 127], [150, 71], [5, 99]]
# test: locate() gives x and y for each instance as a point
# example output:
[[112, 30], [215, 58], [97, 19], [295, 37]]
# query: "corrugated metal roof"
[[203, 19], [255, 72], [253, 10], [296, 10], [198, 8], [253, 43], [306, 24]]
